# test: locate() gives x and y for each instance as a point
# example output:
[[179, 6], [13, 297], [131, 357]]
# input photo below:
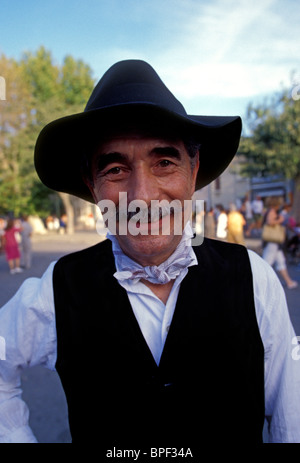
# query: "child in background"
[[11, 246]]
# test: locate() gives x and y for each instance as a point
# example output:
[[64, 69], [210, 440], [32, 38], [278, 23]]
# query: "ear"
[[89, 183]]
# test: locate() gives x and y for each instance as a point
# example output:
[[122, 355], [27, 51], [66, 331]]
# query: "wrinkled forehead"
[[139, 133]]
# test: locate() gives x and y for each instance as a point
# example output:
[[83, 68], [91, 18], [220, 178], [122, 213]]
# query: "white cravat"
[[182, 257]]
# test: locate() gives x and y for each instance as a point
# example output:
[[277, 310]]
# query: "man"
[[257, 206], [26, 242], [235, 225], [158, 344]]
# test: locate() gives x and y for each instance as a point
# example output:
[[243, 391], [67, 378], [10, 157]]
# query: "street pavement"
[[42, 390]]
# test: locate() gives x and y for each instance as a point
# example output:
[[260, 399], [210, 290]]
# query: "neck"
[[161, 291]]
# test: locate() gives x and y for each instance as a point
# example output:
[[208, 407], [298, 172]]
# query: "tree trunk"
[[65, 197]]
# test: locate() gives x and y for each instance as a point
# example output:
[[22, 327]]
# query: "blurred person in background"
[[235, 226], [257, 207], [26, 245], [210, 224], [246, 210], [11, 246], [2, 228], [221, 232], [273, 252]]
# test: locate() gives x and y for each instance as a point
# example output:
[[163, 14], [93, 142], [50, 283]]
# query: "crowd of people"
[[248, 220], [15, 242], [53, 223], [226, 225]]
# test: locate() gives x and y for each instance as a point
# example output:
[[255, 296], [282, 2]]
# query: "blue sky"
[[215, 56]]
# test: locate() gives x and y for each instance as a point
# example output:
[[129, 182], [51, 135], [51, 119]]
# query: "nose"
[[142, 186]]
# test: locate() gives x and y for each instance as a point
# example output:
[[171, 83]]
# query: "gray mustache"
[[144, 215]]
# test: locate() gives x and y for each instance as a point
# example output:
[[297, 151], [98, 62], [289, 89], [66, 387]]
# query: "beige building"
[[230, 187]]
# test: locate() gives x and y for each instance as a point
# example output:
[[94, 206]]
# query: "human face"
[[145, 168]]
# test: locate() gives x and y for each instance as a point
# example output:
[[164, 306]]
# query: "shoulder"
[[228, 259], [263, 274], [269, 295], [222, 248], [99, 256], [100, 249]]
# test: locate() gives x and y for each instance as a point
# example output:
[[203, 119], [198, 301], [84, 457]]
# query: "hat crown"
[[132, 82]]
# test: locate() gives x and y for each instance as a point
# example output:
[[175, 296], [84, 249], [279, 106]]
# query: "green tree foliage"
[[75, 82], [41, 75], [14, 116], [38, 91], [273, 144]]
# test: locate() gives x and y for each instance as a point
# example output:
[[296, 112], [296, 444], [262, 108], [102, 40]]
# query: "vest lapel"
[[191, 299], [123, 318]]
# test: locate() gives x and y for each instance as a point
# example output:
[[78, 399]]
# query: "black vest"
[[209, 385]]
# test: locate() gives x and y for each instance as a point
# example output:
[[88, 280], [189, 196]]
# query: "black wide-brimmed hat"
[[130, 92]]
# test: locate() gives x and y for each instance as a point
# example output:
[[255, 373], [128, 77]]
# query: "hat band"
[[137, 94]]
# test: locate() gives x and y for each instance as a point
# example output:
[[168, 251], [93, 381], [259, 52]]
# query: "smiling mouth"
[[153, 221], [137, 217], [160, 218], [149, 214]]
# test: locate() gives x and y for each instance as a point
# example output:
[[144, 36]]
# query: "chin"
[[149, 249]]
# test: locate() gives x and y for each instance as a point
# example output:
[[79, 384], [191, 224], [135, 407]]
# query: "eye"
[[165, 163], [164, 167], [113, 171]]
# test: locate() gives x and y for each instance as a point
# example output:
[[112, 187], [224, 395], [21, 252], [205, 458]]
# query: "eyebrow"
[[168, 151], [105, 159]]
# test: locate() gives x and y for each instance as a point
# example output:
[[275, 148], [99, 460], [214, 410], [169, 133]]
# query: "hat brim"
[[62, 143]]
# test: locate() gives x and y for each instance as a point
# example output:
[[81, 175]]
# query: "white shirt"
[[27, 323], [257, 206], [222, 226]]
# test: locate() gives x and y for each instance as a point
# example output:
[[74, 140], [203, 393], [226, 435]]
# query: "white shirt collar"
[[129, 270]]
